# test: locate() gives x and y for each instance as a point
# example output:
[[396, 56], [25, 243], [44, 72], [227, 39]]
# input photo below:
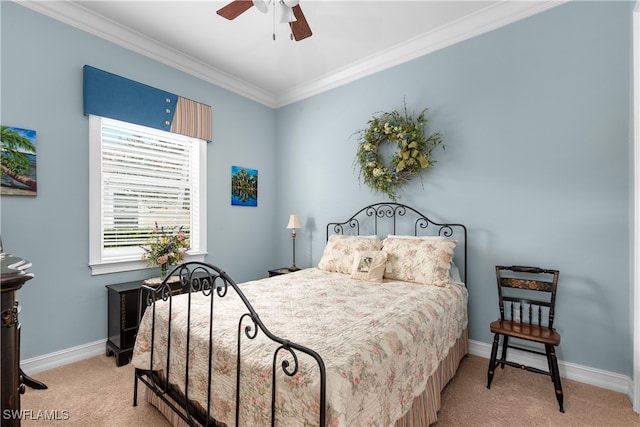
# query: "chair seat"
[[526, 331]]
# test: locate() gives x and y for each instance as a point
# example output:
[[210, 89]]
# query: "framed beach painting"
[[244, 186], [18, 166]]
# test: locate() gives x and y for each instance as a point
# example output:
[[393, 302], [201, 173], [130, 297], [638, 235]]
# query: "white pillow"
[[454, 273]]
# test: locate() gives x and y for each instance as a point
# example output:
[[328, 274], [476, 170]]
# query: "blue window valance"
[[109, 95]]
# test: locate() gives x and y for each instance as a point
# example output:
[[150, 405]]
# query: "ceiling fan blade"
[[300, 27], [234, 9]]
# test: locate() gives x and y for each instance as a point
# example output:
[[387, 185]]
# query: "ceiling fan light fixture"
[[291, 14], [287, 15], [262, 5]]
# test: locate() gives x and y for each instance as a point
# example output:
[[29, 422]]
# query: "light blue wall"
[[64, 306], [535, 118]]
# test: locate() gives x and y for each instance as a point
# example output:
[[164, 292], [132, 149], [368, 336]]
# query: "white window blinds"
[[148, 176]]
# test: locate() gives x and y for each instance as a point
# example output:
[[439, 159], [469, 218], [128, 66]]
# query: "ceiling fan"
[[292, 13]]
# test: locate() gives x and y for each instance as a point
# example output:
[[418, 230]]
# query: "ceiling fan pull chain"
[[274, 20]]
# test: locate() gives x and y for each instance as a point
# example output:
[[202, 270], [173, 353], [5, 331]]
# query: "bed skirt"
[[425, 407], [424, 410]]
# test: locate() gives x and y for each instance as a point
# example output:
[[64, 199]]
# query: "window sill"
[[131, 265]]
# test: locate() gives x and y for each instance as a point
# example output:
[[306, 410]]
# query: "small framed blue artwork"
[[18, 151], [244, 186]]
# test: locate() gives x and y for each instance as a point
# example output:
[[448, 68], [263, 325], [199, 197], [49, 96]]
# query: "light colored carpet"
[[94, 392], [521, 398]]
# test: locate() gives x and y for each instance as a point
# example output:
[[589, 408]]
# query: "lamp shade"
[[294, 222]]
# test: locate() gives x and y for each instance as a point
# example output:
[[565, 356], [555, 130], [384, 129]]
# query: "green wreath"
[[413, 155]]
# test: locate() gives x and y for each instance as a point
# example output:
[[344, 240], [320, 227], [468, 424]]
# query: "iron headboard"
[[396, 218]]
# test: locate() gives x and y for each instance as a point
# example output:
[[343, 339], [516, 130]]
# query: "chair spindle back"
[[527, 294]]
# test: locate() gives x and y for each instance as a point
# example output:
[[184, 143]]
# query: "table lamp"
[[293, 224]]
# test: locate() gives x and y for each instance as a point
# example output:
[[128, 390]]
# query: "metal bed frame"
[[385, 216], [213, 282]]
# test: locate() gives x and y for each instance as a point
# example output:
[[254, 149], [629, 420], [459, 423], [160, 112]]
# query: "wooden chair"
[[527, 298]]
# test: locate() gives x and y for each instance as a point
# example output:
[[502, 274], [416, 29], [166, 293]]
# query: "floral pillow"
[[341, 250], [369, 266], [425, 261], [402, 236]]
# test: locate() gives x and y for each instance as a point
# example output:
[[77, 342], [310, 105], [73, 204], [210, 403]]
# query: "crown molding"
[[485, 20], [86, 20]]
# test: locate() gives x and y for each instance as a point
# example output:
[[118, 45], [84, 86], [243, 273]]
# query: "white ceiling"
[[351, 39]]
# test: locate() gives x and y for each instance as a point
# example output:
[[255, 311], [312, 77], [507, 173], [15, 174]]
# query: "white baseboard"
[[572, 371], [63, 357]]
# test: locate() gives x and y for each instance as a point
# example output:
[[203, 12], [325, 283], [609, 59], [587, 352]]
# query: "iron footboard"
[[212, 282]]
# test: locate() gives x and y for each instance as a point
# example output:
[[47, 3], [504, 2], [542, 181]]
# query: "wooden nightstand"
[[279, 271], [122, 320], [123, 307]]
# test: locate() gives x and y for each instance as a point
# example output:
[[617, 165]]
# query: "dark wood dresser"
[[13, 275]]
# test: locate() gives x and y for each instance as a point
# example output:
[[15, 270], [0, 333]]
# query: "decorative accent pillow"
[[369, 266], [340, 251], [425, 261]]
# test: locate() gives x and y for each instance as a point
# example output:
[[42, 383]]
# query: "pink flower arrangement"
[[166, 248]]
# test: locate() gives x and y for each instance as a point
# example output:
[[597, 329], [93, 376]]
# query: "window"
[[139, 177]]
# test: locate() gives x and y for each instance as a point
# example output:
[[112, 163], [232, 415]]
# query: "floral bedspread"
[[379, 342]]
